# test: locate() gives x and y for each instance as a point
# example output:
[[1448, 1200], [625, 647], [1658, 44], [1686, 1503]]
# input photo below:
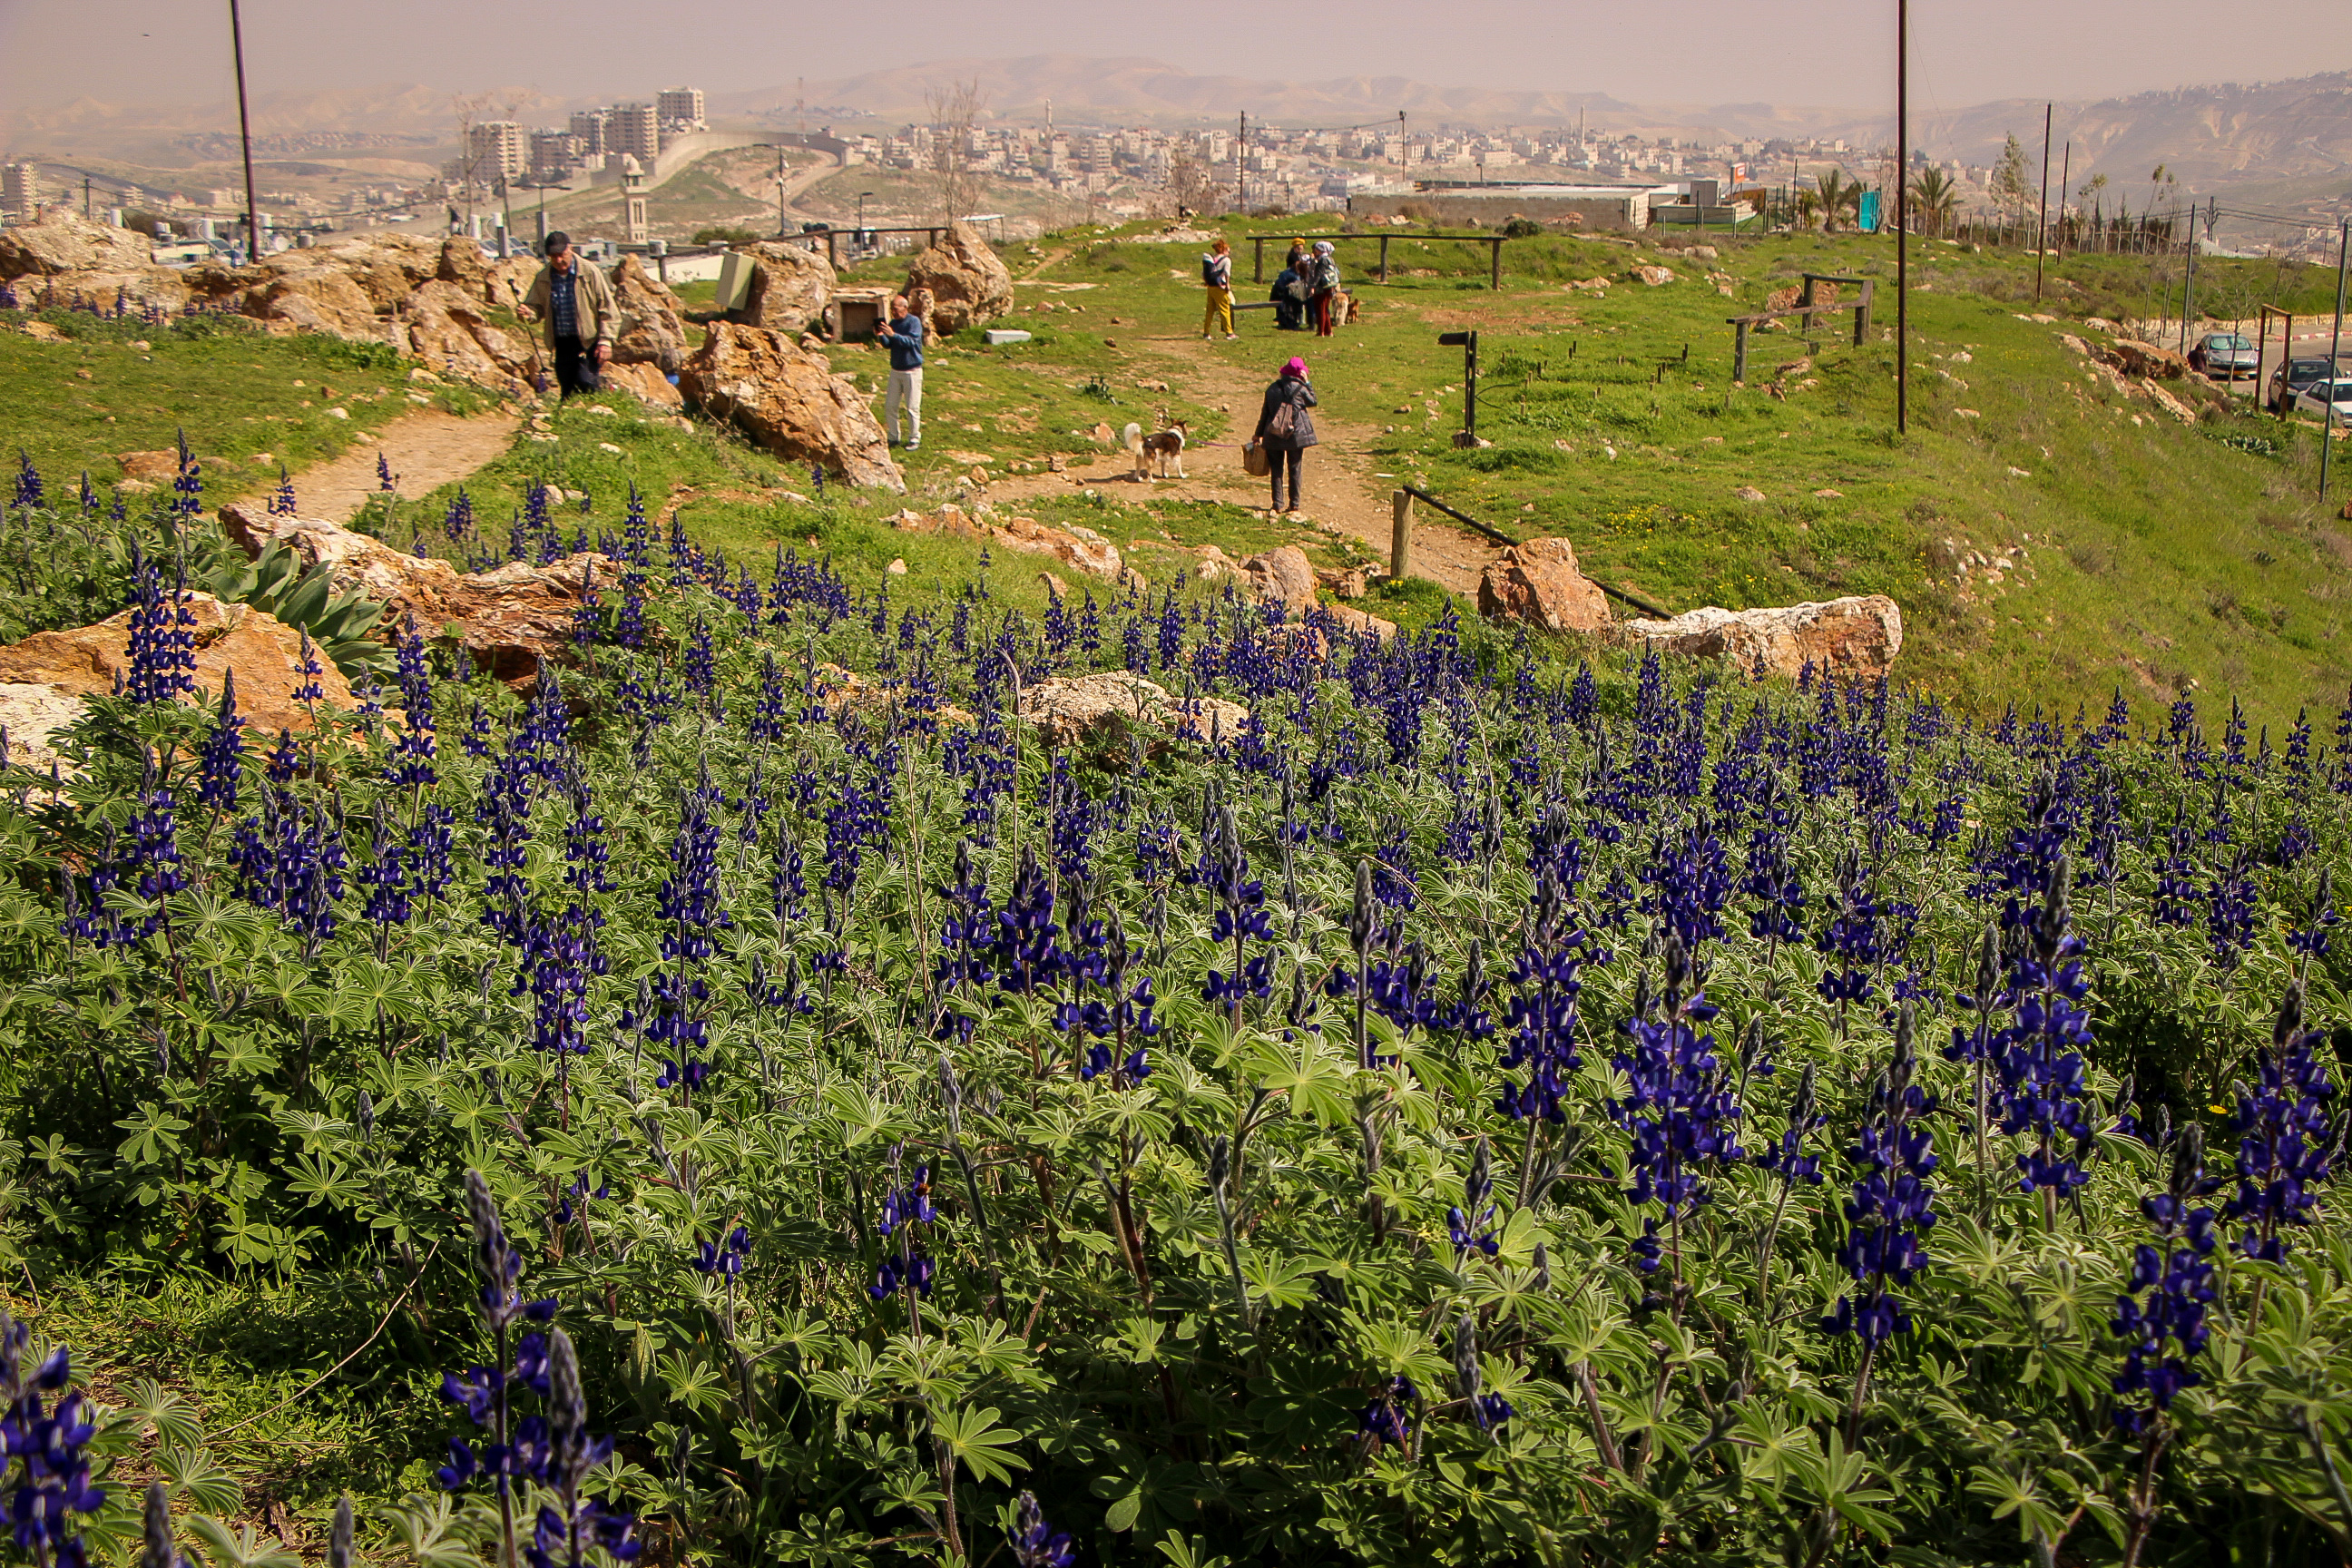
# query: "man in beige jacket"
[[578, 312]]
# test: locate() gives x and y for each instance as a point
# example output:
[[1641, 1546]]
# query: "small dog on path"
[[1166, 447]]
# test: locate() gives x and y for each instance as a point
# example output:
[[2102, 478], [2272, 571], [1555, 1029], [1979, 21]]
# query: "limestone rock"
[[314, 299], [264, 653], [1747, 493], [652, 320], [1853, 637], [406, 585], [1080, 548], [450, 329], [790, 402], [789, 287], [65, 241], [950, 519], [31, 713], [1656, 277], [1100, 709], [461, 262], [2135, 358], [509, 619], [968, 283], [1282, 575], [149, 467], [1539, 583], [645, 383]]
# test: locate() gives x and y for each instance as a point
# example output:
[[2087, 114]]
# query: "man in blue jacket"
[[902, 334]]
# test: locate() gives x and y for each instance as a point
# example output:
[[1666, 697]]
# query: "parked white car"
[[2330, 400]]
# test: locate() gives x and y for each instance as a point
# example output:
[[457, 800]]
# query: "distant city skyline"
[[1831, 53]]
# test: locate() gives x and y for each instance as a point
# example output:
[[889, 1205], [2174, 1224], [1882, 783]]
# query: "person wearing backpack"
[[1286, 430], [1217, 277], [1322, 271]]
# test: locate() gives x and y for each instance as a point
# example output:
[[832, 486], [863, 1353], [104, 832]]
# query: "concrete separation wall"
[[1588, 206]]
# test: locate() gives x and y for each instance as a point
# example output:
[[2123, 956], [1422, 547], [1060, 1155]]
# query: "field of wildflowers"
[[1498, 1102]]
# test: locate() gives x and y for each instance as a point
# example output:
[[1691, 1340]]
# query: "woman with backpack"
[[1322, 270], [1286, 430], [1217, 277]]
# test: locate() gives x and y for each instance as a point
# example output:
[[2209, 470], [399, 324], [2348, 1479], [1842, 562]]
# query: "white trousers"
[[906, 391]]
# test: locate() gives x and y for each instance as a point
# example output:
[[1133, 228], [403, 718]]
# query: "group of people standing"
[[1304, 295]]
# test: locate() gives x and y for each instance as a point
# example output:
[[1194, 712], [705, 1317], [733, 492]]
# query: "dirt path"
[[1345, 494], [427, 450]]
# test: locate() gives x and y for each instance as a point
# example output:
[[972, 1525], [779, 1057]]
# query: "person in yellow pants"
[[1217, 277]]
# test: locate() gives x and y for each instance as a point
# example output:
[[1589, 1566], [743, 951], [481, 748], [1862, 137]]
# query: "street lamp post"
[[861, 217]]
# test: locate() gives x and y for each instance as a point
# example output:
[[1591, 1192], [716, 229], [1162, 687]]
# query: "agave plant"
[[277, 584]]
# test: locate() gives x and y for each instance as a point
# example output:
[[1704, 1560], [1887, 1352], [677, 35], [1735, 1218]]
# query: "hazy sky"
[[1815, 52]]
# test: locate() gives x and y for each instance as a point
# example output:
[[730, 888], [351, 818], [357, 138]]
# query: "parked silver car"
[[2329, 399], [2225, 356]]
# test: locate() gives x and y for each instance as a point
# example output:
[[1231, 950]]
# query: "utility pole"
[[2041, 227], [2335, 348], [1902, 217], [245, 136], [2065, 172], [780, 191], [1405, 158]]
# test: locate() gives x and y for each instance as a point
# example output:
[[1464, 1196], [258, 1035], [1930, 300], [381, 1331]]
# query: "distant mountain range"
[[2284, 135]]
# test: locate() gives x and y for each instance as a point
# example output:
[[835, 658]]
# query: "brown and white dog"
[[1164, 449]]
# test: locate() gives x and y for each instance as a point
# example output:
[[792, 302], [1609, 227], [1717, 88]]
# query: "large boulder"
[[2133, 357], [1100, 709], [1538, 582], [450, 329], [509, 620], [461, 262], [645, 383], [384, 266], [968, 281], [31, 714], [789, 401], [1852, 636], [1282, 576], [264, 652], [315, 299], [790, 287], [652, 320], [63, 241]]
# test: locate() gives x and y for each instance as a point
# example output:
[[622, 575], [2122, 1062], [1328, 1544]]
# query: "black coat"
[[1301, 397]]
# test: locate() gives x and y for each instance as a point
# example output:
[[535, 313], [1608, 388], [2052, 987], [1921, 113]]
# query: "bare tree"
[[954, 110], [471, 112], [1190, 188]]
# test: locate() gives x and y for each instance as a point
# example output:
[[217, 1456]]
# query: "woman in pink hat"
[[1287, 429]]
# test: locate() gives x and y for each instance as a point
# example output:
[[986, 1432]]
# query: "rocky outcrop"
[[264, 653], [1538, 582], [1656, 277], [1283, 575], [645, 383], [789, 287], [61, 241], [2138, 359], [1080, 548], [969, 282], [1101, 708], [509, 619], [652, 320], [789, 401], [31, 714], [450, 329], [1852, 636]]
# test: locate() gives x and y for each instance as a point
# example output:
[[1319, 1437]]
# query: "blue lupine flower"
[[1679, 1108], [162, 651], [2169, 1290], [1892, 1204], [1035, 1543], [2285, 1146]]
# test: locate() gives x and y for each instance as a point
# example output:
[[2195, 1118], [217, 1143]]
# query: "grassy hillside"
[[2051, 540], [2150, 556]]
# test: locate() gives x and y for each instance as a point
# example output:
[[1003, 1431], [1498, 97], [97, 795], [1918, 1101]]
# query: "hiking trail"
[[426, 449], [1344, 493]]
